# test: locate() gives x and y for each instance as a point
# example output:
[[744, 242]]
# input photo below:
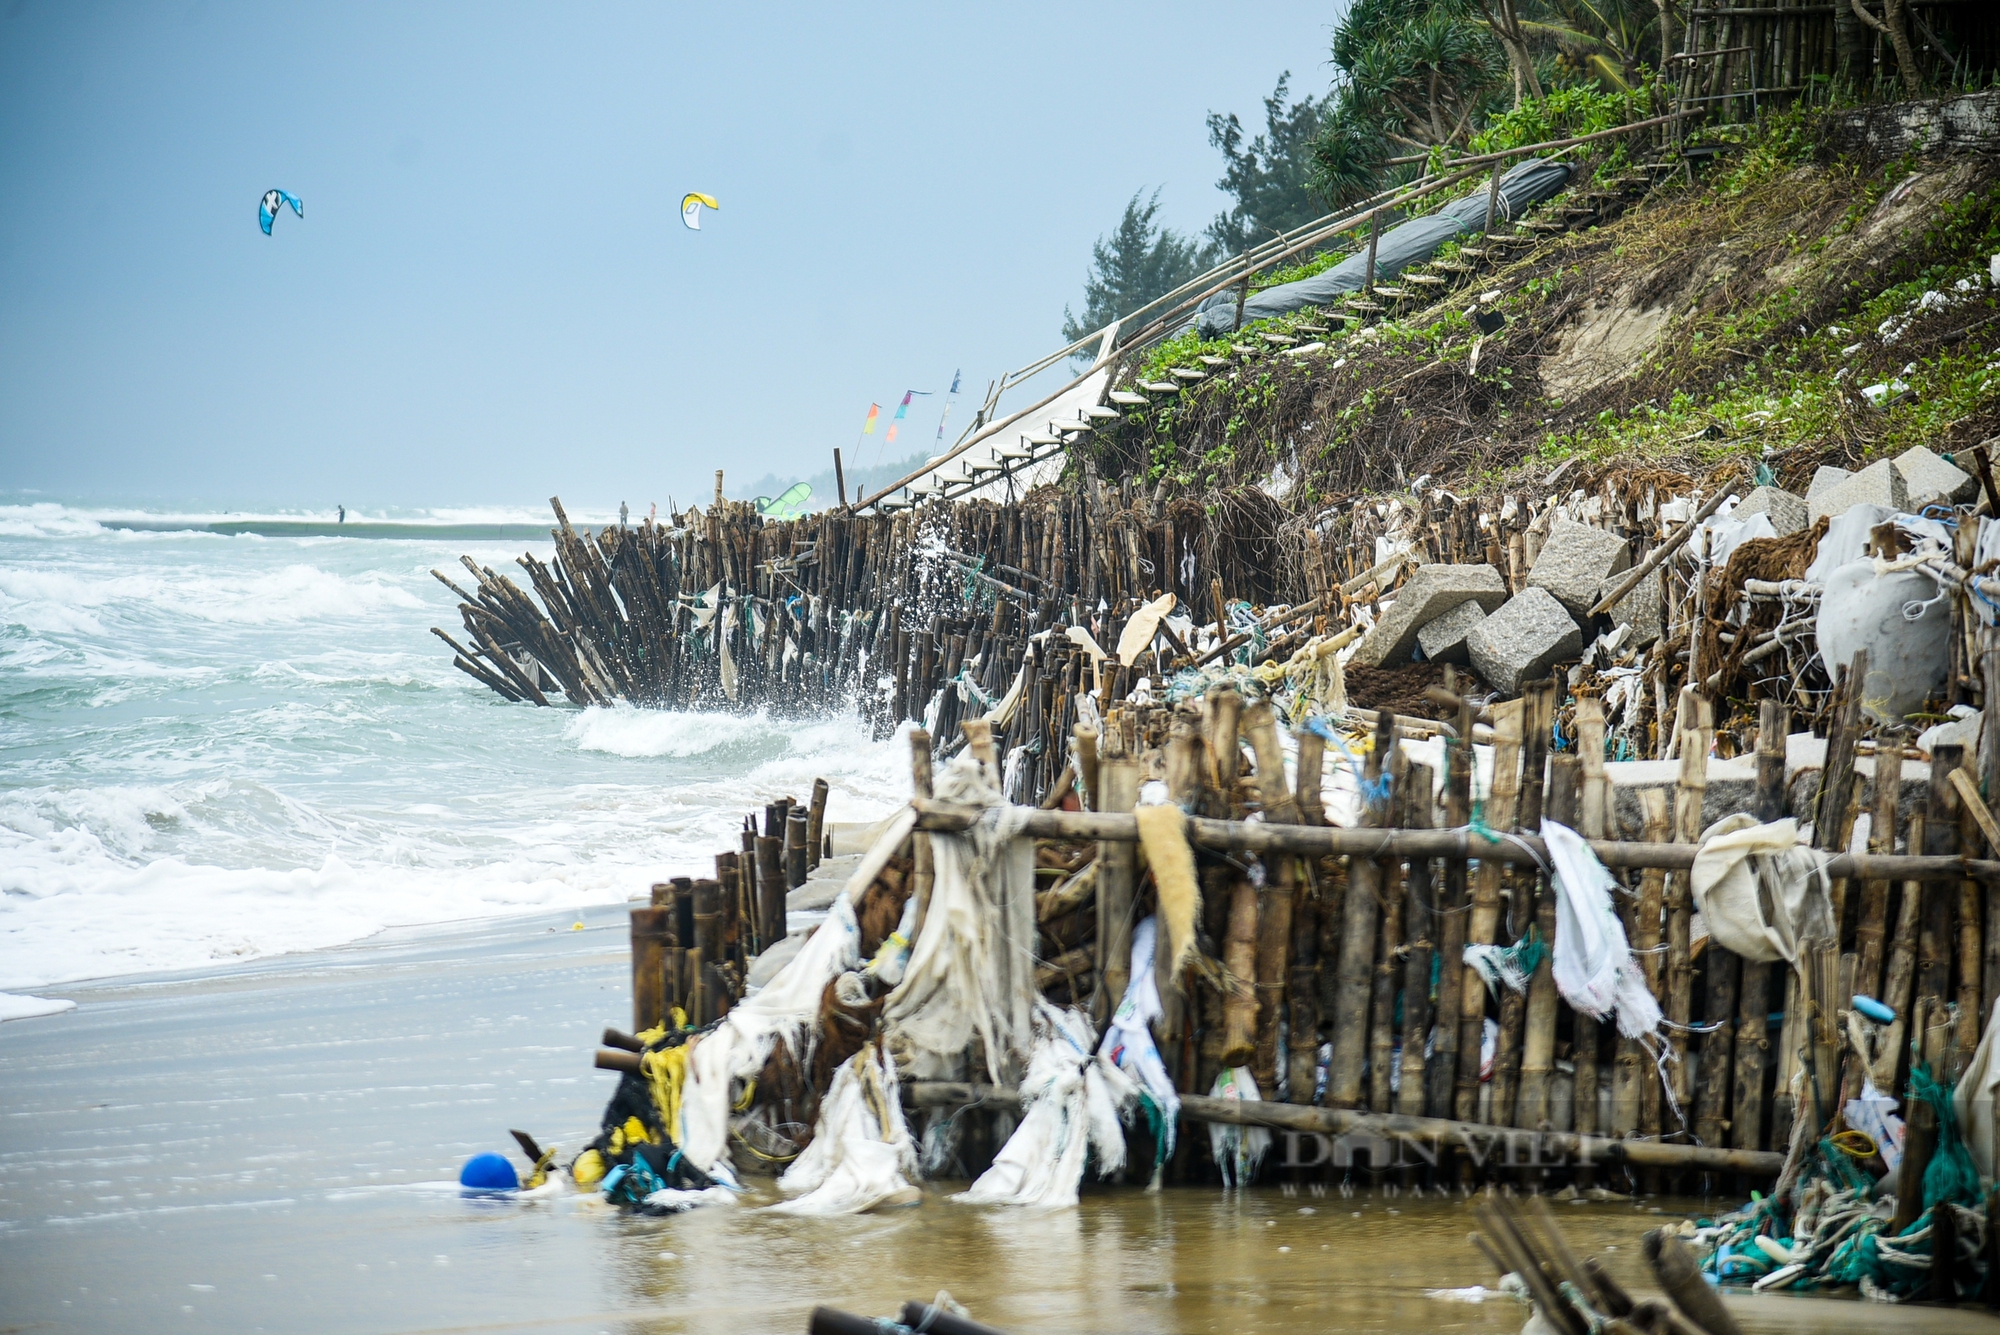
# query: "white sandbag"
[[862, 1155], [1977, 1099], [971, 972], [1724, 535], [784, 1008], [1759, 891], [1902, 618], [1845, 539], [1072, 1103]]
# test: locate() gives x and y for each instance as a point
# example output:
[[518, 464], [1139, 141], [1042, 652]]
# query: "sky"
[[491, 298]]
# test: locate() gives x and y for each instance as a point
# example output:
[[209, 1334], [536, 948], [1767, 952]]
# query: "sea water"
[[215, 748]]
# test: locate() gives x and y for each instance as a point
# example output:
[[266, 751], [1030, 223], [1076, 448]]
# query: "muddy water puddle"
[[1184, 1260]]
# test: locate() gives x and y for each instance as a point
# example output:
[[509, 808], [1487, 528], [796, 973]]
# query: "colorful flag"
[[874, 411], [903, 410]]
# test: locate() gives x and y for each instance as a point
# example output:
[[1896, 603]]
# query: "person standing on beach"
[[343, 513]]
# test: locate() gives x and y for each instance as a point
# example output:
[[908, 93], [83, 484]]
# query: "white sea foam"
[[298, 592], [221, 749], [621, 730]]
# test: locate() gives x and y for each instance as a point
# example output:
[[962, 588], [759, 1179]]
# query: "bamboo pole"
[[1934, 935], [1646, 943], [1752, 1046], [1357, 943], [1274, 898], [1117, 883], [1442, 1069], [1872, 917], [923, 870], [649, 967], [1971, 1001], [1382, 999], [816, 823], [1900, 976], [1239, 963], [1302, 992], [714, 997], [1692, 790], [1773, 722], [1538, 1051], [796, 824], [1335, 841], [1419, 937], [1485, 917]]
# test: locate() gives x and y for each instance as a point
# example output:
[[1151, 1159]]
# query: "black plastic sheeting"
[[1398, 248]]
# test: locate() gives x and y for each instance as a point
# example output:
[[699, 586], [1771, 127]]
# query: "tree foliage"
[[1270, 177], [1411, 74], [1138, 261]]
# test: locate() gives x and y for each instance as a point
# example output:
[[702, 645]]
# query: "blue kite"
[[274, 200]]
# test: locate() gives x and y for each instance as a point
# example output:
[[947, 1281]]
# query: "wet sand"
[[273, 1147]]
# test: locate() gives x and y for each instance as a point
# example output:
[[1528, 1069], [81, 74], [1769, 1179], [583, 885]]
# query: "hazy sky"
[[491, 297]]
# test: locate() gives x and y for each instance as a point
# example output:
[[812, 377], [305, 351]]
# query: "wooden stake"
[[1239, 962], [1357, 944], [1117, 882], [649, 967], [1442, 1068], [816, 823], [1485, 917], [1419, 937], [1538, 1051]]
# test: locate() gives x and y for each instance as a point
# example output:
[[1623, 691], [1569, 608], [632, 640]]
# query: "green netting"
[[1951, 1176]]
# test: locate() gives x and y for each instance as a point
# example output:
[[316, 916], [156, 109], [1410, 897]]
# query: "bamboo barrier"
[[1316, 944], [1323, 937]]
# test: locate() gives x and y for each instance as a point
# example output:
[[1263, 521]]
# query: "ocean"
[[214, 748]]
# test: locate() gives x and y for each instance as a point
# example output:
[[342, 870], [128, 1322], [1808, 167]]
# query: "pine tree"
[[1272, 177], [1134, 264]]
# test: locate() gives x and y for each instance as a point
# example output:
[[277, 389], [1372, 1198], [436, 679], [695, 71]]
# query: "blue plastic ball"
[[489, 1172]]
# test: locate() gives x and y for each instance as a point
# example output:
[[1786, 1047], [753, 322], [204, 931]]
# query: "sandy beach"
[[274, 1147]]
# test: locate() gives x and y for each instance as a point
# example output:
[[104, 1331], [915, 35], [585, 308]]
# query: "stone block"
[[1932, 481], [1880, 483], [1429, 594], [1786, 512], [1827, 476], [1523, 640], [1575, 563], [1641, 610], [1443, 639]]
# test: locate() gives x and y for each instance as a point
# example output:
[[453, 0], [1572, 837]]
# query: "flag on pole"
[[902, 411], [946, 416], [874, 411]]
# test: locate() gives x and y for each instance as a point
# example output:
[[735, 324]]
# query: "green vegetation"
[[1891, 370], [1569, 113], [1271, 177], [1778, 316], [1139, 261]]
